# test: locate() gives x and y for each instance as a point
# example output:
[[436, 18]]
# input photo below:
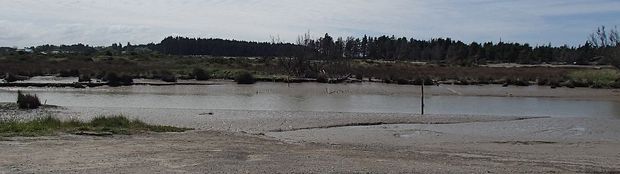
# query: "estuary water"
[[364, 98]]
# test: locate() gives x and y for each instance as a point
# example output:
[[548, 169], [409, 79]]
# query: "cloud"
[[96, 22]]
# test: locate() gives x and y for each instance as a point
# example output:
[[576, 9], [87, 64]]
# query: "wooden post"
[[422, 99]]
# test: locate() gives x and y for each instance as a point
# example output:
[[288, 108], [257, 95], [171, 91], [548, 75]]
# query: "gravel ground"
[[216, 152]]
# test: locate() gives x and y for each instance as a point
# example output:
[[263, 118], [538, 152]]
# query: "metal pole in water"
[[422, 99]]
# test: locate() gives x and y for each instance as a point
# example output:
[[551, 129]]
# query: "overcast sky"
[[103, 22]]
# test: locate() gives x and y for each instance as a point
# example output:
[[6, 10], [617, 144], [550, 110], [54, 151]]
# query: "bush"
[[27, 101], [201, 74], [168, 76], [520, 82], [114, 80], [423, 80], [517, 82], [245, 78], [12, 77], [581, 84], [542, 82], [69, 73], [554, 84], [402, 81], [84, 78]]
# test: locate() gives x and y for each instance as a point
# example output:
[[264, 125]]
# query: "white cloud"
[[96, 22]]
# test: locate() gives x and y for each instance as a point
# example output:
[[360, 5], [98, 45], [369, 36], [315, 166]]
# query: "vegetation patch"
[[201, 74], [84, 78], [98, 126], [605, 78], [168, 76], [13, 78], [27, 101], [245, 78], [115, 80]]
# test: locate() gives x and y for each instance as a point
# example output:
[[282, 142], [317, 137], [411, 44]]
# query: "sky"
[[103, 22]]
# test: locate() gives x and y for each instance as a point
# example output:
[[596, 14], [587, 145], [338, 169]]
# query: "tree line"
[[600, 48]]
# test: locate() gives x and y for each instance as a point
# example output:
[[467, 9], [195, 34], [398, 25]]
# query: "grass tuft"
[[27, 101]]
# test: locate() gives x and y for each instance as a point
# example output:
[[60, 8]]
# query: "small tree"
[[604, 38], [27, 101], [608, 43]]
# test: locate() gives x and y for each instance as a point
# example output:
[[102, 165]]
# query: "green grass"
[[601, 78], [50, 126]]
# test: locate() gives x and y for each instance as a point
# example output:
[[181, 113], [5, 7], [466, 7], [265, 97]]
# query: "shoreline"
[[415, 82]]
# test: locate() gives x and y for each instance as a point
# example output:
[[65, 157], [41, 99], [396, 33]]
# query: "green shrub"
[[245, 78], [201, 74], [27, 101]]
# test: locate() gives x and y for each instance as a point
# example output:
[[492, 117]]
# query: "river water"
[[367, 98]]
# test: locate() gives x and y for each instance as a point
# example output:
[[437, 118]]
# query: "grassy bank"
[[108, 125], [595, 78]]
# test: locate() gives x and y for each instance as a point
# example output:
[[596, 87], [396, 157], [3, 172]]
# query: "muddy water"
[[368, 98]]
